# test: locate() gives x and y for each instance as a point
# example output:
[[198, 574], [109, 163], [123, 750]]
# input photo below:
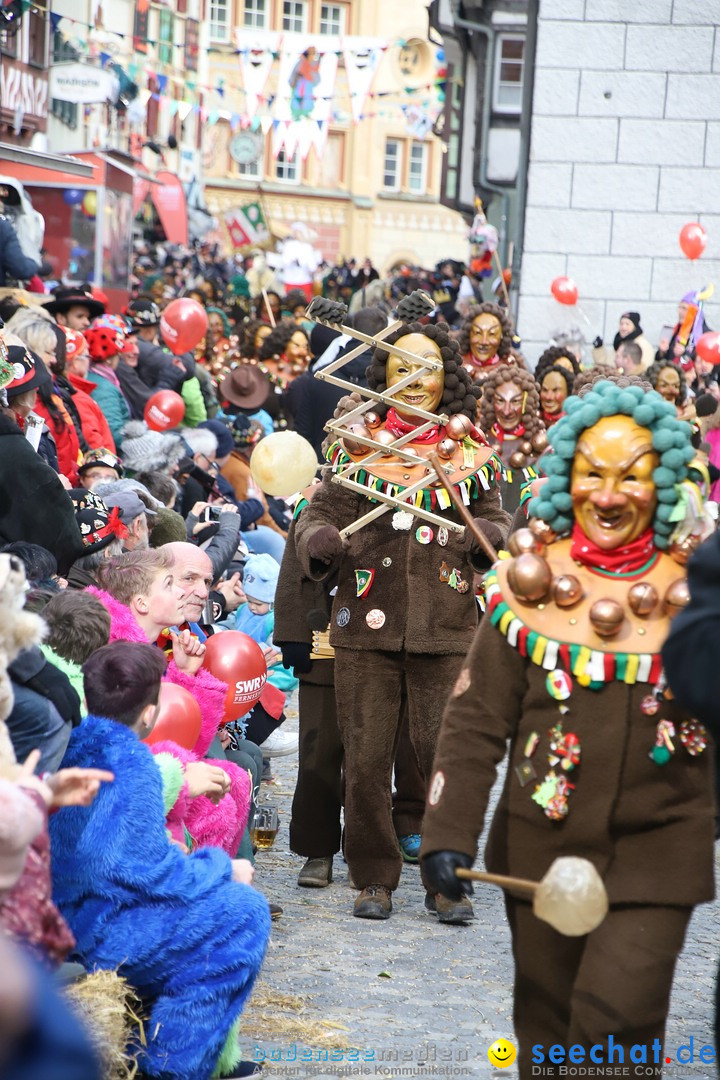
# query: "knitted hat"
[[98, 525], [633, 316], [146, 450], [101, 456], [29, 372], [115, 322], [168, 527], [103, 342], [260, 577], [238, 286], [75, 343], [143, 312], [706, 405], [246, 432], [225, 441]]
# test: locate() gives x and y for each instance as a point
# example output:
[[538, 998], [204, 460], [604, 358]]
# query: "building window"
[[295, 16], [417, 171], [393, 164], [332, 19], [332, 163], [508, 80], [166, 31], [63, 52], [255, 16], [286, 168], [37, 25], [219, 20]]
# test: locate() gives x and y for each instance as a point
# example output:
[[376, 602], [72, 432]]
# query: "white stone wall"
[[625, 149]]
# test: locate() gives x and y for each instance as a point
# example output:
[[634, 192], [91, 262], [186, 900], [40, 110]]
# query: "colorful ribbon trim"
[[590, 667]]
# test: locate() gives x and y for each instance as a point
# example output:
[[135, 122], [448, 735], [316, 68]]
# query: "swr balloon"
[[708, 347], [693, 239], [183, 324], [179, 719], [283, 463], [164, 410], [564, 290], [237, 660]]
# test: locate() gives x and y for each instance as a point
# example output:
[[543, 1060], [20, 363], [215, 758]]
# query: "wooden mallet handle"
[[462, 510], [505, 882]]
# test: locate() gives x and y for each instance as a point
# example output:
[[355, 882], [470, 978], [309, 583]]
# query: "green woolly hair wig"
[[670, 438]]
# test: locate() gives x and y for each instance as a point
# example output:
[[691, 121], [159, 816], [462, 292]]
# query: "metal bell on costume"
[[529, 576], [606, 617], [567, 590], [643, 598], [676, 598], [525, 540]]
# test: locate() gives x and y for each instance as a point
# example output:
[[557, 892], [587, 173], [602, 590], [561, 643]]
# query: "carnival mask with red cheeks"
[[668, 384], [553, 392], [426, 389], [485, 337], [611, 484], [509, 405]]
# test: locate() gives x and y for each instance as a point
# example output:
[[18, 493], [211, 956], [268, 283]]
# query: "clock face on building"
[[244, 148]]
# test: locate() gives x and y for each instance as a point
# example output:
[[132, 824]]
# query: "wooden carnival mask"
[[553, 391], [611, 484], [509, 405], [426, 391], [485, 336]]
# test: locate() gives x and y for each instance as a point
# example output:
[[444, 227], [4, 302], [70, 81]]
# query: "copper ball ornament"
[[526, 447], [681, 550], [540, 442], [446, 449], [529, 576], [676, 598], [643, 598], [542, 530], [351, 445], [517, 460], [524, 540], [606, 617], [384, 438], [567, 590], [372, 419], [458, 426]]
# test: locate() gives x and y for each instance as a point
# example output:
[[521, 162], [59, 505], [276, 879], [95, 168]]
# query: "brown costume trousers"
[[373, 689], [315, 829], [615, 981]]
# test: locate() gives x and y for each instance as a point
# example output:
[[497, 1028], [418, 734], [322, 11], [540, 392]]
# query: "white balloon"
[[283, 463]]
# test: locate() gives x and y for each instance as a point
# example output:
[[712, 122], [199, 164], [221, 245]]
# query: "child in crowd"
[[78, 624], [186, 931], [256, 617]]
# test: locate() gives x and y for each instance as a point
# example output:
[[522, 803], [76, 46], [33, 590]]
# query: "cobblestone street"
[[408, 997]]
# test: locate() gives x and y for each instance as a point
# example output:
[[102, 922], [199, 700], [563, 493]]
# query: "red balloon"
[[693, 239], [179, 719], [164, 410], [183, 324], [237, 660], [564, 290], [708, 347]]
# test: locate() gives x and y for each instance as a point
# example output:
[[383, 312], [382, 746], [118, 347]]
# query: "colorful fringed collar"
[[482, 478]]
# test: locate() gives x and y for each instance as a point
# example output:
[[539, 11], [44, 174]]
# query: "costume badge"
[[525, 772], [402, 521], [424, 535], [363, 581], [343, 616], [443, 537], [436, 788], [375, 619]]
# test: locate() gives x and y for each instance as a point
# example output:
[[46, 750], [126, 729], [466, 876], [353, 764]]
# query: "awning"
[[31, 167]]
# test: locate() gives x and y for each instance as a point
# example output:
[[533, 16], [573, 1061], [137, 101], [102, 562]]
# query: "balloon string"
[[584, 316]]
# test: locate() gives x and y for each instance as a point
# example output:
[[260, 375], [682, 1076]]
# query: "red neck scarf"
[[621, 560], [398, 427], [472, 361], [500, 434], [551, 418]]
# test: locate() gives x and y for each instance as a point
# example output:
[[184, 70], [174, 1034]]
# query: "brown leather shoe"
[[374, 902], [454, 912], [316, 873]]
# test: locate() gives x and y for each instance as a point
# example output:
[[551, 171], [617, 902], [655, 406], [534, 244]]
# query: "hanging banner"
[[256, 55], [168, 196], [141, 190], [81, 83], [247, 226], [362, 58], [306, 77]]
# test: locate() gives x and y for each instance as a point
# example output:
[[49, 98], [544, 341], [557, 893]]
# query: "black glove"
[[439, 873], [296, 654], [477, 554], [598, 342]]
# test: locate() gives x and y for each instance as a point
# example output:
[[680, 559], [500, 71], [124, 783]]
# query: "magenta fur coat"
[[210, 825]]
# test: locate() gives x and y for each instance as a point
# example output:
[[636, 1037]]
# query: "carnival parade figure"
[[405, 609], [566, 667], [509, 414], [486, 340]]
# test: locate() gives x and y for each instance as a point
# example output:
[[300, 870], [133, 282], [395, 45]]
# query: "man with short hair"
[[628, 358], [74, 307]]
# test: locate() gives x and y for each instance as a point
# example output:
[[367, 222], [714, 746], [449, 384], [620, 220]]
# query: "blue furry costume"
[[176, 926]]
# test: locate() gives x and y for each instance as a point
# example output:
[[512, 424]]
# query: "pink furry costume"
[[209, 825]]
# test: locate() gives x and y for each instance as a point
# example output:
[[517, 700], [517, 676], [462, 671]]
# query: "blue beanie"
[[260, 576], [225, 441]]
